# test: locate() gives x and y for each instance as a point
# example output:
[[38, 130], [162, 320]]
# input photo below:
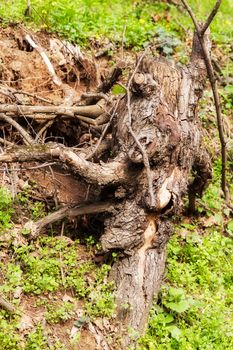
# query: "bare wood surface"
[[22, 110], [140, 146]]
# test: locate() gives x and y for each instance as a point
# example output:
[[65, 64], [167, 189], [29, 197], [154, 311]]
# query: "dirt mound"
[[25, 79], [22, 67]]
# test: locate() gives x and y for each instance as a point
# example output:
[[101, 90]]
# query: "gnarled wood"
[[164, 118], [164, 124]]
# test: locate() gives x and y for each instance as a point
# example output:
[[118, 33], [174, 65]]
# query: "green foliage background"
[[80, 20]]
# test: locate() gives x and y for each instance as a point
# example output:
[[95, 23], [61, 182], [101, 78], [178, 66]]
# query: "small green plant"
[[13, 277], [6, 209], [176, 300], [59, 313], [90, 241], [37, 210], [33, 209], [37, 340], [101, 301], [9, 336]]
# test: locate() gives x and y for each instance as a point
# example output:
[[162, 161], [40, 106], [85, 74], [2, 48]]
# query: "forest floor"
[[58, 283]]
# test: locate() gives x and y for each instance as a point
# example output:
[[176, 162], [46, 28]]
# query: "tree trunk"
[[163, 110]]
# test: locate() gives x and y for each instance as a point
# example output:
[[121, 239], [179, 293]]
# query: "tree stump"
[[156, 148], [164, 119]]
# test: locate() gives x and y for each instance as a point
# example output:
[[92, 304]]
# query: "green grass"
[[82, 20], [51, 263]]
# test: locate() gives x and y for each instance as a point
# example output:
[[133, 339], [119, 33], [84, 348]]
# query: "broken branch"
[[104, 174], [67, 211], [27, 138], [6, 305], [200, 30], [88, 111]]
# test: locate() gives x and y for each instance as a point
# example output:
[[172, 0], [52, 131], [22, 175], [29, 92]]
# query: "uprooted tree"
[[155, 147]]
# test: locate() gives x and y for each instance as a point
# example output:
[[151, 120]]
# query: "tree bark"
[[164, 118]]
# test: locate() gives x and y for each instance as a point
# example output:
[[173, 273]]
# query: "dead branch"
[[6, 142], [30, 168], [57, 81], [200, 30], [105, 174], [90, 156], [7, 93], [67, 90], [67, 211], [92, 111], [101, 120], [211, 17], [10, 92], [6, 305], [90, 96], [43, 129], [114, 75], [28, 11], [26, 137]]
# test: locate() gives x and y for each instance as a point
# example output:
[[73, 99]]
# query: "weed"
[[37, 340], [9, 337], [59, 313], [6, 209], [34, 210]]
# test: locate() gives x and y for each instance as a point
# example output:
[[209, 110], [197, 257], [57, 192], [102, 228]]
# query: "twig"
[[28, 11], [21, 92], [5, 142], [140, 146], [7, 93], [89, 156], [10, 92], [122, 40], [200, 30], [6, 305], [27, 138], [46, 125], [30, 168], [211, 17], [55, 192]]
